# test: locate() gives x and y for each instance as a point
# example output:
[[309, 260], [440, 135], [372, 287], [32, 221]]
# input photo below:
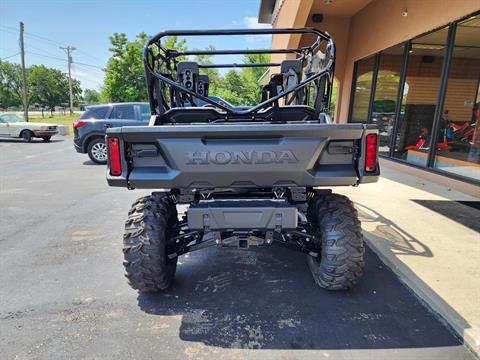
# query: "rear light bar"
[[78, 124], [114, 156], [371, 153]]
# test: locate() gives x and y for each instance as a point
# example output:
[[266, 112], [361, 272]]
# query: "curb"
[[471, 338], [63, 130]]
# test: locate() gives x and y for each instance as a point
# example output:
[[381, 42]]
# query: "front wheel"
[[148, 229], [339, 240], [97, 151], [46, 138]]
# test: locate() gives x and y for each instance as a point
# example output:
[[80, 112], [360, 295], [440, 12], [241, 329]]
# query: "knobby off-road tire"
[[147, 232], [339, 240]]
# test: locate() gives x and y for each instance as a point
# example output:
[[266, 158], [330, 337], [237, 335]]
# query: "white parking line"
[[37, 155]]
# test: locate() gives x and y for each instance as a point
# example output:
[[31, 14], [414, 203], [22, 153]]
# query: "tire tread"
[[145, 243], [340, 241]]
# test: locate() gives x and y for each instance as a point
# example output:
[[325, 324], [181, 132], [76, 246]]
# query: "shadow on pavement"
[[466, 213], [392, 242], [90, 162], [266, 299], [34, 141], [399, 241]]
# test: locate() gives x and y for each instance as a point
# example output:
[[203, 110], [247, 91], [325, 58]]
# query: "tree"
[[49, 87], [10, 84], [252, 89], [91, 96], [172, 42], [231, 88], [212, 73], [124, 78], [242, 87], [125, 74]]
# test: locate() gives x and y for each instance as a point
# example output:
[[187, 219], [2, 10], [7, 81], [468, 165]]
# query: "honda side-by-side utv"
[[250, 175]]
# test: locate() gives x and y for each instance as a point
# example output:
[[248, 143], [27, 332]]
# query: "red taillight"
[[78, 124], [371, 153], [114, 157]]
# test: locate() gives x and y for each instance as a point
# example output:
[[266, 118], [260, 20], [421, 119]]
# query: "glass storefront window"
[[425, 61], [456, 148], [363, 88], [385, 100], [458, 142]]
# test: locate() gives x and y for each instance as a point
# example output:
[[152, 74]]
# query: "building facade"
[[410, 66]]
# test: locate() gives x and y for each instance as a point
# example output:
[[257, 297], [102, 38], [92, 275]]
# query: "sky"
[[87, 24]]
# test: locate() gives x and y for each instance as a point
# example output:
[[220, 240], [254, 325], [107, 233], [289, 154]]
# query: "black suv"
[[89, 129]]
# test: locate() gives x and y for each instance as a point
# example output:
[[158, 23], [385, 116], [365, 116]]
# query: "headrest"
[[203, 83], [296, 65], [187, 72]]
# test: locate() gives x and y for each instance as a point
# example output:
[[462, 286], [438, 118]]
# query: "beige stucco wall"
[[380, 25], [338, 28], [377, 26], [292, 14]]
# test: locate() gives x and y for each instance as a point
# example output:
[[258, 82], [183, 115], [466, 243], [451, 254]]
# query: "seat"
[[189, 115]]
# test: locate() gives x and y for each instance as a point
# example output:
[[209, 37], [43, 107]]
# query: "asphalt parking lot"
[[63, 294]]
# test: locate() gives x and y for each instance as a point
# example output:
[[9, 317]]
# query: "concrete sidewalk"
[[430, 240]]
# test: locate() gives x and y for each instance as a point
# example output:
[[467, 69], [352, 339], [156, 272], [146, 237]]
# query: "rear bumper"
[[78, 148], [242, 156], [78, 144], [44, 133]]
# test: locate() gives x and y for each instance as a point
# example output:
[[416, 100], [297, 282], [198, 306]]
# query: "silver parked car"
[[13, 126]]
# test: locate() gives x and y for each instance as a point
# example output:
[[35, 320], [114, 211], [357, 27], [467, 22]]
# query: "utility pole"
[[24, 74], [69, 50]]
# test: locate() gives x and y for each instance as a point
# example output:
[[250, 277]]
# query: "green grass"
[[58, 119]]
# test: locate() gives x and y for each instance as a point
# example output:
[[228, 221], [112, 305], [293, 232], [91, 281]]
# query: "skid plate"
[[221, 215]]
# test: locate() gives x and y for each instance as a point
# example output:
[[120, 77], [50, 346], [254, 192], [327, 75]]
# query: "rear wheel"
[[27, 136], [339, 240], [46, 138], [97, 151], [149, 226]]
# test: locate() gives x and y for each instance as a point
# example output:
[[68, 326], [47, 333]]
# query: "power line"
[[47, 56], [9, 32], [49, 41], [89, 65], [85, 78], [28, 34], [9, 27], [44, 39], [88, 55], [56, 60], [92, 78], [61, 59], [28, 45], [8, 57]]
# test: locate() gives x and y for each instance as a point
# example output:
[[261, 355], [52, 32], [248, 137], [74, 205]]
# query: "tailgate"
[[241, 155]]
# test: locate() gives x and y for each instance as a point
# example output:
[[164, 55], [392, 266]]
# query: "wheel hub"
[[99, 151]]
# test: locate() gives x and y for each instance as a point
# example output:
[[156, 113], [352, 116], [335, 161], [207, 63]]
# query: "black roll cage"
[[158, 58]]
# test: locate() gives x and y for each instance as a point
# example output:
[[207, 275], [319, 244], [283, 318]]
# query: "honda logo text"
[[241, 157]]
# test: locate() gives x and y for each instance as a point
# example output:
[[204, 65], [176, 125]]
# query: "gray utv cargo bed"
[[242, 155]]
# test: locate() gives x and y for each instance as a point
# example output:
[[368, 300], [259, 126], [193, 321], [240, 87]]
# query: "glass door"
[[419, 99]]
